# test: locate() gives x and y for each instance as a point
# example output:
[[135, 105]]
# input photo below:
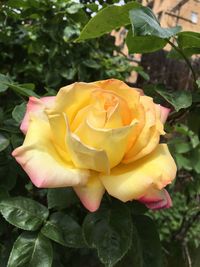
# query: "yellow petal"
[[149, 136], [133, 180], [82, 155], [91, 193], [72, 98], [41, 161], [113, 141], [129, 94]]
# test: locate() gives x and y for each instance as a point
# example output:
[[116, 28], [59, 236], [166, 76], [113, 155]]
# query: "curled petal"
[[91, 193], [40, 160], [130, 95], [156, 199], [72, 98], [36, 106], [82, 155], [149, 137], [109, 140], [134, 180]]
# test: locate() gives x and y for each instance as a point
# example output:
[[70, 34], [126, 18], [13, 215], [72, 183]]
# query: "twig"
[[187, 254], [185, 226]]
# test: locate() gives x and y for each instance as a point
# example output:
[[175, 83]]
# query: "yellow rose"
[[95, 137]]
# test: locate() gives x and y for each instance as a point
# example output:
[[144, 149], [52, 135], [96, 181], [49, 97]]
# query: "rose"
[[95, 137]]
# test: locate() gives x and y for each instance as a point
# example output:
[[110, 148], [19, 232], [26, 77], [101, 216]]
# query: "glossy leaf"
[[23, 213], [31, 250], [109, 230], [133, 257], [189, 39], [4, 142], [20, 89], [64, 230], [144, 44], [178, 99], [19, 112], [145, 23], [149, 240], [106, 20], [61, 198]]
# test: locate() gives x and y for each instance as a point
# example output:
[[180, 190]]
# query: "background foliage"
[[39, 54]]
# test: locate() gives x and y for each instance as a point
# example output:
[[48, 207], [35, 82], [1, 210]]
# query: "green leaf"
[[19, 112], [29, 86], [23, 213], [144, 23], [70, 32], [93, 7], [106, 20], [22, 89], [4, 142], [4, 80], [188, 40], [92, 64], [133, 258], [187, 51], [61, 198], [149, 240], [64, 230], [18, 88], [144, 44], [109, 230], [69, 74], [195, 156], [178, 99], [74, 8], [183, 162], [182, 147], [31, 250], [18, 3]]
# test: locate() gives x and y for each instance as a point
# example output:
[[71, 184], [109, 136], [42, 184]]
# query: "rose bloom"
[[97, 137]]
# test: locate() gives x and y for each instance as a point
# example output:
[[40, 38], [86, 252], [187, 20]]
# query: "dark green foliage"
[[109, 230], [32, 250], [39, 54], [63, 229]]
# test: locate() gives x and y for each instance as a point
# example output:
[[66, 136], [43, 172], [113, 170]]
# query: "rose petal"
[[164, 113], [72, 98], [126, 92], [149, 136], [108, 140], [133, 180], [156, 199], [82, 156], [36, 106], [91, 193], [40, 160]]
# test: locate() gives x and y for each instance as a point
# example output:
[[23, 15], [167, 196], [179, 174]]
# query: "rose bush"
[[95, 137]]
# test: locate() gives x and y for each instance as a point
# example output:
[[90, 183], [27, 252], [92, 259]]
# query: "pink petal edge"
[[156, 202], [88, 204], [35, 105], [164, 113]]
